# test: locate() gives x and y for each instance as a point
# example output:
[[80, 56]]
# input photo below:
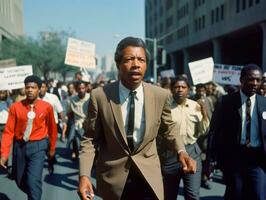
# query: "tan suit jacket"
[[105, 133]]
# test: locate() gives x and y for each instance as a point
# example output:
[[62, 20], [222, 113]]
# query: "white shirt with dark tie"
[[139, 123], [254, 129]]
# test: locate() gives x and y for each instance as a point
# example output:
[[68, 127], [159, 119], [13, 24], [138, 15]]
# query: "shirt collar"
[[185, 104], [124, 92], [244, 97]]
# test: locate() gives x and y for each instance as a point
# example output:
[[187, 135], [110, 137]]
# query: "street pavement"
[[62, 184]]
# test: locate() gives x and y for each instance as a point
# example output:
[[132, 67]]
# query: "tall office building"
[[11, 19], [107, 63], [231, 31]]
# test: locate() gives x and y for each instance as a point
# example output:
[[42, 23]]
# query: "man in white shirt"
[[57, 107], [238, 138], [124, 120]]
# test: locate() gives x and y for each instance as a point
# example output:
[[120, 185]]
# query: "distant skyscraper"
[[107, 63], [11, 19], [231, 31]]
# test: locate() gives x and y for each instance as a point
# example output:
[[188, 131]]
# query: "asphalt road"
[[63, 183]]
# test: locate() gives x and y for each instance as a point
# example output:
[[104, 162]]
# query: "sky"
[[103, 22]]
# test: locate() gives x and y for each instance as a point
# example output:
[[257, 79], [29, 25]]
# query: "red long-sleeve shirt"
[[43, 124]]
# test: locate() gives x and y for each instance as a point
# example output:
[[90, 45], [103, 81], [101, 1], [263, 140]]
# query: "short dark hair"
[[126, 42], [179, 78], [45, 82], [249, 67], [200, 85], [33, 79]]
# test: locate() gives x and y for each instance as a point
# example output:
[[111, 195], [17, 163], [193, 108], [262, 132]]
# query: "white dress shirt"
[[139, 123], [254, 129]]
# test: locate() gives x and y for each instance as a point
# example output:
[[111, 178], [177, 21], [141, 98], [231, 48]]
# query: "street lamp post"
[[155, 41]]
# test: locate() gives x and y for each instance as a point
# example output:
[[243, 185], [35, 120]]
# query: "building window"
[[222, 12], [169, 39], [155, 31], [196, 25], [161, 28], [243, 4], [217, 14], [212, 16], [161, 10], [237, 6], [169, 21], [182, 12], [250, 3], [169, 4], [198, 3], [203, 21]]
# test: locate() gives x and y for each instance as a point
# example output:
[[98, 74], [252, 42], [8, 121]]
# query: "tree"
[[46, 54]]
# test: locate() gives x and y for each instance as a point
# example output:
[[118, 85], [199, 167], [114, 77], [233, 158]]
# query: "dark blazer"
[[226, 128]]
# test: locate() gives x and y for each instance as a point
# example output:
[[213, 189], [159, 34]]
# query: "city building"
[[11, 19], [107, 63], [233, 32]]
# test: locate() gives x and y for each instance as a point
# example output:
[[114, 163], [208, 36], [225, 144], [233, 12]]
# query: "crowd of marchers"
[[131, 130]]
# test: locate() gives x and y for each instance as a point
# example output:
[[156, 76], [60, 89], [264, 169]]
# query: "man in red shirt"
[[30, 124]]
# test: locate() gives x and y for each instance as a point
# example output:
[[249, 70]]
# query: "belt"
[[21, 141]]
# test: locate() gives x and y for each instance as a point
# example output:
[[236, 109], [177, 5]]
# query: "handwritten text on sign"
[[227, 74], [201, 71], [80, 53], [13, 77]]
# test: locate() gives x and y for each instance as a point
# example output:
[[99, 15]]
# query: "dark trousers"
[[136, 187], [191, 181], [28, 161], [247, 180], [74, 137]]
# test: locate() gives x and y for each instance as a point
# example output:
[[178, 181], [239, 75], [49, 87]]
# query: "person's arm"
[[7, 136], [92, 127], [202, 125], [52, 131]]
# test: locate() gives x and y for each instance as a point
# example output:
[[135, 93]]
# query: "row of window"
[[199, 23], [198, 3], [244, 4], [183, 31], [5, 7], [182, 12], [217, 14]]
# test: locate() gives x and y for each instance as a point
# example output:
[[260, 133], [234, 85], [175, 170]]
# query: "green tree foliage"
[[46, 53]]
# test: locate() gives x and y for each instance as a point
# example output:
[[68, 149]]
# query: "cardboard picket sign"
[[227, 74], [201, 70], [13, 77], [80, 53]]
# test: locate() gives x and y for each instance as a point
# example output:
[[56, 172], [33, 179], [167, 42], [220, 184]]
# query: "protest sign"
[[167, 73], [227, 74], [13, 77], [80, 53], [201, 70]]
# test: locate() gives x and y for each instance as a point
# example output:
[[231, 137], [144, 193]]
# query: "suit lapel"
[[113, 93], [238, 104]]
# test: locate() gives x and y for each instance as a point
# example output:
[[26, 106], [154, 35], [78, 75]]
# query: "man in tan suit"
[[124, 120]]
